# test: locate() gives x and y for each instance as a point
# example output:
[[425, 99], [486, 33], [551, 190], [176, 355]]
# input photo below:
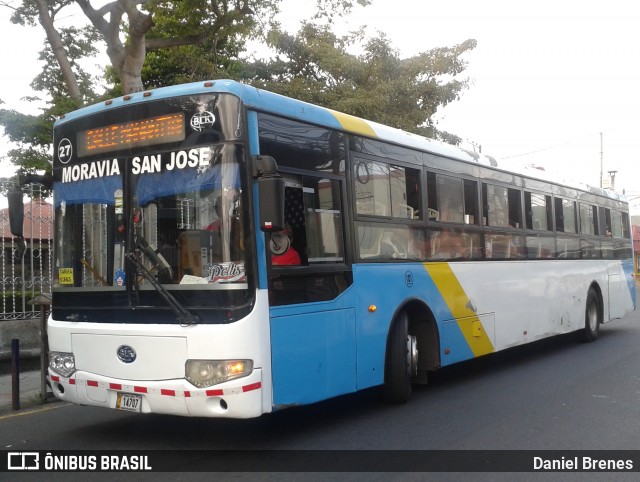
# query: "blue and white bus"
[[222, 251]]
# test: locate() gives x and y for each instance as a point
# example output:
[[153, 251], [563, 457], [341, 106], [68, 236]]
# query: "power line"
[[573, 141]]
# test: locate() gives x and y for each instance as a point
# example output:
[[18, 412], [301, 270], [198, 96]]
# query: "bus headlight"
[[205, 373], [62, 363]]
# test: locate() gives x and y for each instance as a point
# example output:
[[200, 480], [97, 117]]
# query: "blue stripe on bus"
[[629, 269], [372, 327], [321, 350]]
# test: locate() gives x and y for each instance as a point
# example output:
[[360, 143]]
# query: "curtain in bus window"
[[450, 199], [398, 185], [497, 203], [569, 216], [616, 224], [588, 219], [153, 186], [91, 191], [372, 188], [537, 210]]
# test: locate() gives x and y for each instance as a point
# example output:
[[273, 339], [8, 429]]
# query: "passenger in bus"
[[282, 253]]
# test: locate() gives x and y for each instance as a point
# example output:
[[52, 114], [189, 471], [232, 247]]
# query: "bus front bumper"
[[240, 398]]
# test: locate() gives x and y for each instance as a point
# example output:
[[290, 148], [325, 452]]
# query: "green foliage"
[[79, 44], [33, 133], [329, 10], [199, 39], [33, 136], [194, 40], [315, 65]]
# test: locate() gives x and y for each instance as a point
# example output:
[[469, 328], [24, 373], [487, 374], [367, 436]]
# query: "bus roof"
[[263, 100]]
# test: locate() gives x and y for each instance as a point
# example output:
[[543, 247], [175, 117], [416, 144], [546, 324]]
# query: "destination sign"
[[129, 135]]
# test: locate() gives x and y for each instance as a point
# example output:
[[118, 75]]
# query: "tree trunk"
[[59, 52]]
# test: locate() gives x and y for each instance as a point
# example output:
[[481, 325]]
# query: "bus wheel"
[[401, 361], [592, 317]]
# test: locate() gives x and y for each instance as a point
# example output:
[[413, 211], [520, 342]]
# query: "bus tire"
[[592, 318], [401, 361]]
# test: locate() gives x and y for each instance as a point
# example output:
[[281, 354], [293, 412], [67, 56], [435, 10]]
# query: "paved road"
[[557, 394]]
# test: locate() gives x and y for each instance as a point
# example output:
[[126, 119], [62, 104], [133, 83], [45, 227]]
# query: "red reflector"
[[170, 393], [55, 378], [140, 389], [253, 386], [214, 393], [92, 383], [187, 394], [115, 386], [72, 381]]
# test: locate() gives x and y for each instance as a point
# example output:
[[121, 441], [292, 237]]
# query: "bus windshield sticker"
[[232, 272], [65, 276], [219, 274]]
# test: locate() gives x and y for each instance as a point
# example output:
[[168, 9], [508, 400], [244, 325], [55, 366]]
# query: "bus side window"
[[313, 214], [502, 206], [406, 199], [295, 221]]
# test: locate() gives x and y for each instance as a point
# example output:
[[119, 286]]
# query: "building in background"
[[635, 230]]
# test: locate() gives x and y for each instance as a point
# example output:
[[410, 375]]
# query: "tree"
[[315, 65], [195, 40], [66, 84], [151, 43], [173, 41], [124, 26]]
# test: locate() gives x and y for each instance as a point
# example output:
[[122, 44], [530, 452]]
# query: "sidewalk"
[[29, 391]]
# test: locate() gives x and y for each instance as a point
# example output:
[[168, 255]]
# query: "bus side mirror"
[[270, 193], [16, 212]]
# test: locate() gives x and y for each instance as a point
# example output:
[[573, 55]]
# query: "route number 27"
[[64, 151]]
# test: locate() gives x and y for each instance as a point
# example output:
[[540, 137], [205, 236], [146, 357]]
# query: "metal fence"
[[25, 266]]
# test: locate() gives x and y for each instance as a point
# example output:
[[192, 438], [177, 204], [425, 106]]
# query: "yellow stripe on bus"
[[460, 307], [354, 124]]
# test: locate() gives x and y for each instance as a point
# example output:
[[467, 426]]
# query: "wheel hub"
[[412, 355]]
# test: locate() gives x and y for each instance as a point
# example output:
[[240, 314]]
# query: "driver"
[[282, 253]]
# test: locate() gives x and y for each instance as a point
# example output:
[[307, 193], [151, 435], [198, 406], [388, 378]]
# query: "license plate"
[[129, 402]]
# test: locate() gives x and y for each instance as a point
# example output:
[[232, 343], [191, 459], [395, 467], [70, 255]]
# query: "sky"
[[554, 82]]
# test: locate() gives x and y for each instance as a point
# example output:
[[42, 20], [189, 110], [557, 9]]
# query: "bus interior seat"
[[376, 243], [391, 246], [403, 211], [369, 207]]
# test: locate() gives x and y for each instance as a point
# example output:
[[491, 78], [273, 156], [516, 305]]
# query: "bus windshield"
[[154, 223]]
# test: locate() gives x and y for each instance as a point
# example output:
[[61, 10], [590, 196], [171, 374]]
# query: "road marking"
[[30, 411]]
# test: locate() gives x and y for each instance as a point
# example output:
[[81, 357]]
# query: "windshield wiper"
[[159, 263], [185, 317]]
